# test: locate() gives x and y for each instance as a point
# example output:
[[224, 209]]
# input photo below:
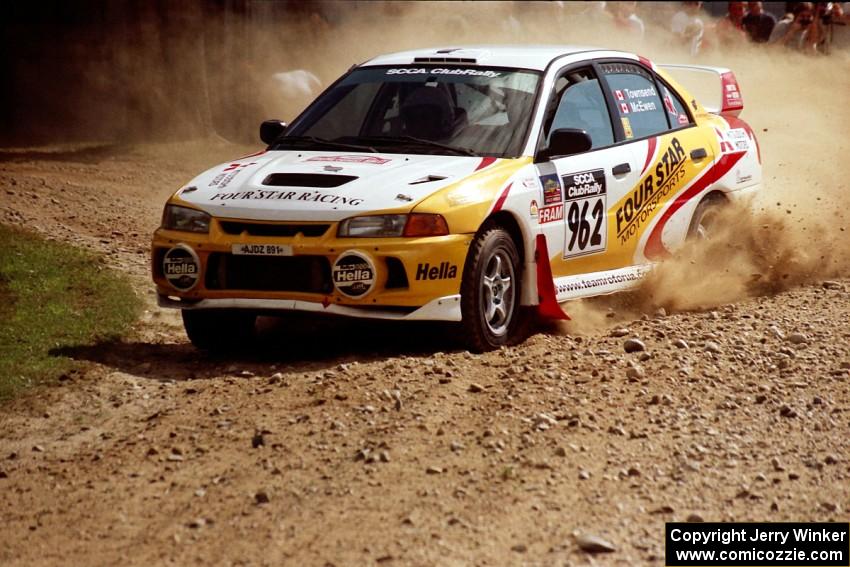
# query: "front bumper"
[[440, 309], [414, 278]]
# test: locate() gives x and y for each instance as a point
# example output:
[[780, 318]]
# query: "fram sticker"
[[552, 213], [352, 159], [552, 192]]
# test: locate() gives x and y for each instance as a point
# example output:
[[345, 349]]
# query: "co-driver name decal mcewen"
[[585, 201], [269, 195], [642, 201]]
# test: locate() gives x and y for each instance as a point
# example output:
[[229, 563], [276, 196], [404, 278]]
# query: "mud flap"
[[547, 302]]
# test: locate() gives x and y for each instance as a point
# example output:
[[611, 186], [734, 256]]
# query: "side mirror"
[[568, 141], [271, 130]]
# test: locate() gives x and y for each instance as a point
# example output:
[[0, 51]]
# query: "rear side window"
[[675, 108], [639, 106]]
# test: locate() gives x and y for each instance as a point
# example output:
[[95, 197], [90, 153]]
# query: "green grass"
[[53, 296]]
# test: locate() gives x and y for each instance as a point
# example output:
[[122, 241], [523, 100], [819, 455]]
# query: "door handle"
[[699, 153], [621, 169]]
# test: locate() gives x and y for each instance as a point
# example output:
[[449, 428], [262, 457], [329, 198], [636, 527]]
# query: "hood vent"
[[428, 179], [307, 180]]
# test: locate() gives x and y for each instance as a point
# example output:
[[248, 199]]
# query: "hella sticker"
[[353, 274], [181, 267]]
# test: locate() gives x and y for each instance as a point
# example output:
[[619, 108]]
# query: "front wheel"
[[490, 293], [219, 329]]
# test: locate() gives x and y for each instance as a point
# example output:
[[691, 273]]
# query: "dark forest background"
[[137, 70], [159, 70]]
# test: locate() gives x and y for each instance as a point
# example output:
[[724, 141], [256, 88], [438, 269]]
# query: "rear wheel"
[[704, 222], [490, 293], [219, 329]]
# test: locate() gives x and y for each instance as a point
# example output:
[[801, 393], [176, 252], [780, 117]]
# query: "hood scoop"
[[307, 180]]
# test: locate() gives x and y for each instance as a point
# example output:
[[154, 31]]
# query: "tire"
[[219, 329], [704, 217], [491, 314]]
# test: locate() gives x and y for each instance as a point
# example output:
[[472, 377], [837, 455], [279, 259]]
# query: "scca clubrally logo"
[[353, 274]]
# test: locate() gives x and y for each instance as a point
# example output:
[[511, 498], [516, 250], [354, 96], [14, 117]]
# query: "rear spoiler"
[[731, 102]]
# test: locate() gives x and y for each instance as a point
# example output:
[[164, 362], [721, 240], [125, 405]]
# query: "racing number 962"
[[585, 199], [579, 225]]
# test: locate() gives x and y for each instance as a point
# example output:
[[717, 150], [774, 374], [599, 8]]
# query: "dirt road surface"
[[351, 443]]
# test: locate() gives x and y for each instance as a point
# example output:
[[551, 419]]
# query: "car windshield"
[[422, 109]]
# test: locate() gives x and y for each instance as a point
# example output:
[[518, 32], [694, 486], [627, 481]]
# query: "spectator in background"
[[828, 15], [799, 30], [840, 30], [688, 27], [626, 19], [758, 24], [730, 29]]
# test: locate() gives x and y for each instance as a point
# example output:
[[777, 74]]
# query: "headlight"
[[393, 225], [378, 225], [183, 218]]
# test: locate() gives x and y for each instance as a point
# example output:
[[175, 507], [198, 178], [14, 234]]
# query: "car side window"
[[675, 108], [639, 105], [581, 106]]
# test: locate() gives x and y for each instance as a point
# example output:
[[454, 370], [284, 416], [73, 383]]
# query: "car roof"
[[535, 57]]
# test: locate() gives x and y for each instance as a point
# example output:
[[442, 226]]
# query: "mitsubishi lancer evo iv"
[[480, 185]]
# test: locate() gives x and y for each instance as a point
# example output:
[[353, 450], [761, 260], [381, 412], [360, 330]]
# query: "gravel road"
[[352, 443]]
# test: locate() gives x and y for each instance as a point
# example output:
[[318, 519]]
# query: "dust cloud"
[[799, 231]]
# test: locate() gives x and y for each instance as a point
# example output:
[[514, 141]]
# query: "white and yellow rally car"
[[481, 185]]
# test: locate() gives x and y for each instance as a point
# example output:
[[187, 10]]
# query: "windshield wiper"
[[286, 140], [417, 141]]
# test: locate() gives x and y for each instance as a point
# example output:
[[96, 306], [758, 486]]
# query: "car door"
[[578, 190], [646, 150], [671, 151]]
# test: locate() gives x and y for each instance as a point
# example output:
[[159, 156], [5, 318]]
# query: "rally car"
[[481, 185]]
